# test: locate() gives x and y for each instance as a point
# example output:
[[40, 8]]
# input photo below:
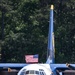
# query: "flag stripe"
[[31, 58]]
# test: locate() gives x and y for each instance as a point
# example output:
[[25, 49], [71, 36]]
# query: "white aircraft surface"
[[36, 69]]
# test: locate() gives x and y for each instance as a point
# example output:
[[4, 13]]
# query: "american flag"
[[31, 58]]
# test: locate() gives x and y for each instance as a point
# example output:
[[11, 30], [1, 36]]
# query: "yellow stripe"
[[53, 42]]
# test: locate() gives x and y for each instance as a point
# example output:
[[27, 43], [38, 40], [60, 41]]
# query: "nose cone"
[[35, 69]]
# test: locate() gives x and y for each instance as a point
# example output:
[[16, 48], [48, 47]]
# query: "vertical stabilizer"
[[51, 39]]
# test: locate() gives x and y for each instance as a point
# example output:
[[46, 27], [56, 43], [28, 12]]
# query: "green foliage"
[[64, 38], [26, 29]]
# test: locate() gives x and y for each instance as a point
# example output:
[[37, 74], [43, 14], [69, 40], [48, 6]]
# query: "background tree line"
[[24, 29]]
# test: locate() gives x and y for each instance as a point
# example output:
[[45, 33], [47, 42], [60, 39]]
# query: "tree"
[[26, 30]]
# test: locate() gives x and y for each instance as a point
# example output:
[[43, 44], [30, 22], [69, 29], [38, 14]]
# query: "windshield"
[[30, 72], [33, 72]]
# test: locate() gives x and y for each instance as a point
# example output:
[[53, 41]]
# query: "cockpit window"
[[37, 72], [27, 72], [32, 72]]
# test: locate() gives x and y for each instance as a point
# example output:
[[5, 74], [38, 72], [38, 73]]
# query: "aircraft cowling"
[[40, 69]]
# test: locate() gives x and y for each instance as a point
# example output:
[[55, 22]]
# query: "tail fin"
[[50, 53]]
